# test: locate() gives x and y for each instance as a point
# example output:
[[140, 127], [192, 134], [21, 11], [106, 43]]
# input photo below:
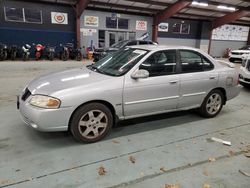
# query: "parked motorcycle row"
[[40, 51]]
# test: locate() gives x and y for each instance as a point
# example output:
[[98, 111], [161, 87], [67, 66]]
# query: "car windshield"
[[120, 44], [118, 63], [245, 48]]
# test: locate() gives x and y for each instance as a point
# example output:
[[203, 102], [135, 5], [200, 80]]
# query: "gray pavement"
[[170, 148]]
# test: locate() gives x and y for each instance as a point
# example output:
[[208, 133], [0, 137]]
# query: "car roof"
[[162, 47]]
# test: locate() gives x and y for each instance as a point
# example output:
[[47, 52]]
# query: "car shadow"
[[123, 128]]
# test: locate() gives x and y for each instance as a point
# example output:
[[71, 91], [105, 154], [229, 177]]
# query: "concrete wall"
[[86, 40], [219, 47]]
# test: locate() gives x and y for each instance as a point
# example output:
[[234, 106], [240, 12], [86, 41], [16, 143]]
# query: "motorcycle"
[[39, 51], [13, 52], [64, 54], [50, 52], [26, 52], [74, 53], [78, 54], [3, 52]]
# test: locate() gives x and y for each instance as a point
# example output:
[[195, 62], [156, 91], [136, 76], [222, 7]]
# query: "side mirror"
[[140, 74]]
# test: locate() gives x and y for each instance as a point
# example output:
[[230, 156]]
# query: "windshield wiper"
[[95, 69]]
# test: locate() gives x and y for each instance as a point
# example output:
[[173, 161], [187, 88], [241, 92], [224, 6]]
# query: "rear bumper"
[[233, 92]]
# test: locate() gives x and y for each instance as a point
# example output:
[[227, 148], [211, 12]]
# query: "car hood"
[[55, 82]]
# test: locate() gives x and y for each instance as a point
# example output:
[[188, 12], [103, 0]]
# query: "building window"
[[181, 28], [122, 23], [13, 14], [111, 23], [185, 28], [33, 16], [177, 28], [116, 23]]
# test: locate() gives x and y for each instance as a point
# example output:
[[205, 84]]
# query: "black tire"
[[82, 113], [1, 56], [5, 56], [204, 109], [51, 57], [65, 56], [13, 56], [79, 57], [24, 57]]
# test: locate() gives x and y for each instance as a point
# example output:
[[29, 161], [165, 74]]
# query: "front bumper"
[[235, 58], [47, 120], [244, 76]]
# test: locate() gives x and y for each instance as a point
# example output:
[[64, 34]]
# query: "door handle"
[[212, 77], [173, 81]]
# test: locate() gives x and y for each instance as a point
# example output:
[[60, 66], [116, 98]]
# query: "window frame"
[[18, 21], [23, 16], [177, 68], [197, 53], [41, 17]]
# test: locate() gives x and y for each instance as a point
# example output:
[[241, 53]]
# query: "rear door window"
[[194, 62]]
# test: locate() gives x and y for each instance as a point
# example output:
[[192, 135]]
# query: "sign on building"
[[163, 27], [88, 32], [231, 32], [59, 18], [141, 25], [92, 21]]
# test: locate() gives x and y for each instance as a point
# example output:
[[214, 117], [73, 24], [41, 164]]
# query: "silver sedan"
[[133, 82]]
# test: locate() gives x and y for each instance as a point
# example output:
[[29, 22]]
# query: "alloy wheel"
[[93, 124], [214, 103]]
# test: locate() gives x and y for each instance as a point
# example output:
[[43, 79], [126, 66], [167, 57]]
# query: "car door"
[[197, 78], [158, 92]]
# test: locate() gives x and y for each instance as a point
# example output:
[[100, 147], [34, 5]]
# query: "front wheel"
[[212, 104], [91, 122]]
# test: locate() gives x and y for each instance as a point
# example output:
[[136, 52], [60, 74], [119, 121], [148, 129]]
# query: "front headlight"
[[42, 101]]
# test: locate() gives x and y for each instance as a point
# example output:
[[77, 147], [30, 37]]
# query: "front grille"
[[247, 79], [237, 53], [26, 94]]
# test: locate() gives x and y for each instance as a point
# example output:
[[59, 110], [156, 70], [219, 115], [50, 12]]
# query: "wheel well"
[[107, 104], [224, 93]]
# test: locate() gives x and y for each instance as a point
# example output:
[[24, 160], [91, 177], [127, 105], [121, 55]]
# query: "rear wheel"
[[79, 57], [91, 122], [65, 56], [212, 104], [5, 55], [13, 56], [51, 56]]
